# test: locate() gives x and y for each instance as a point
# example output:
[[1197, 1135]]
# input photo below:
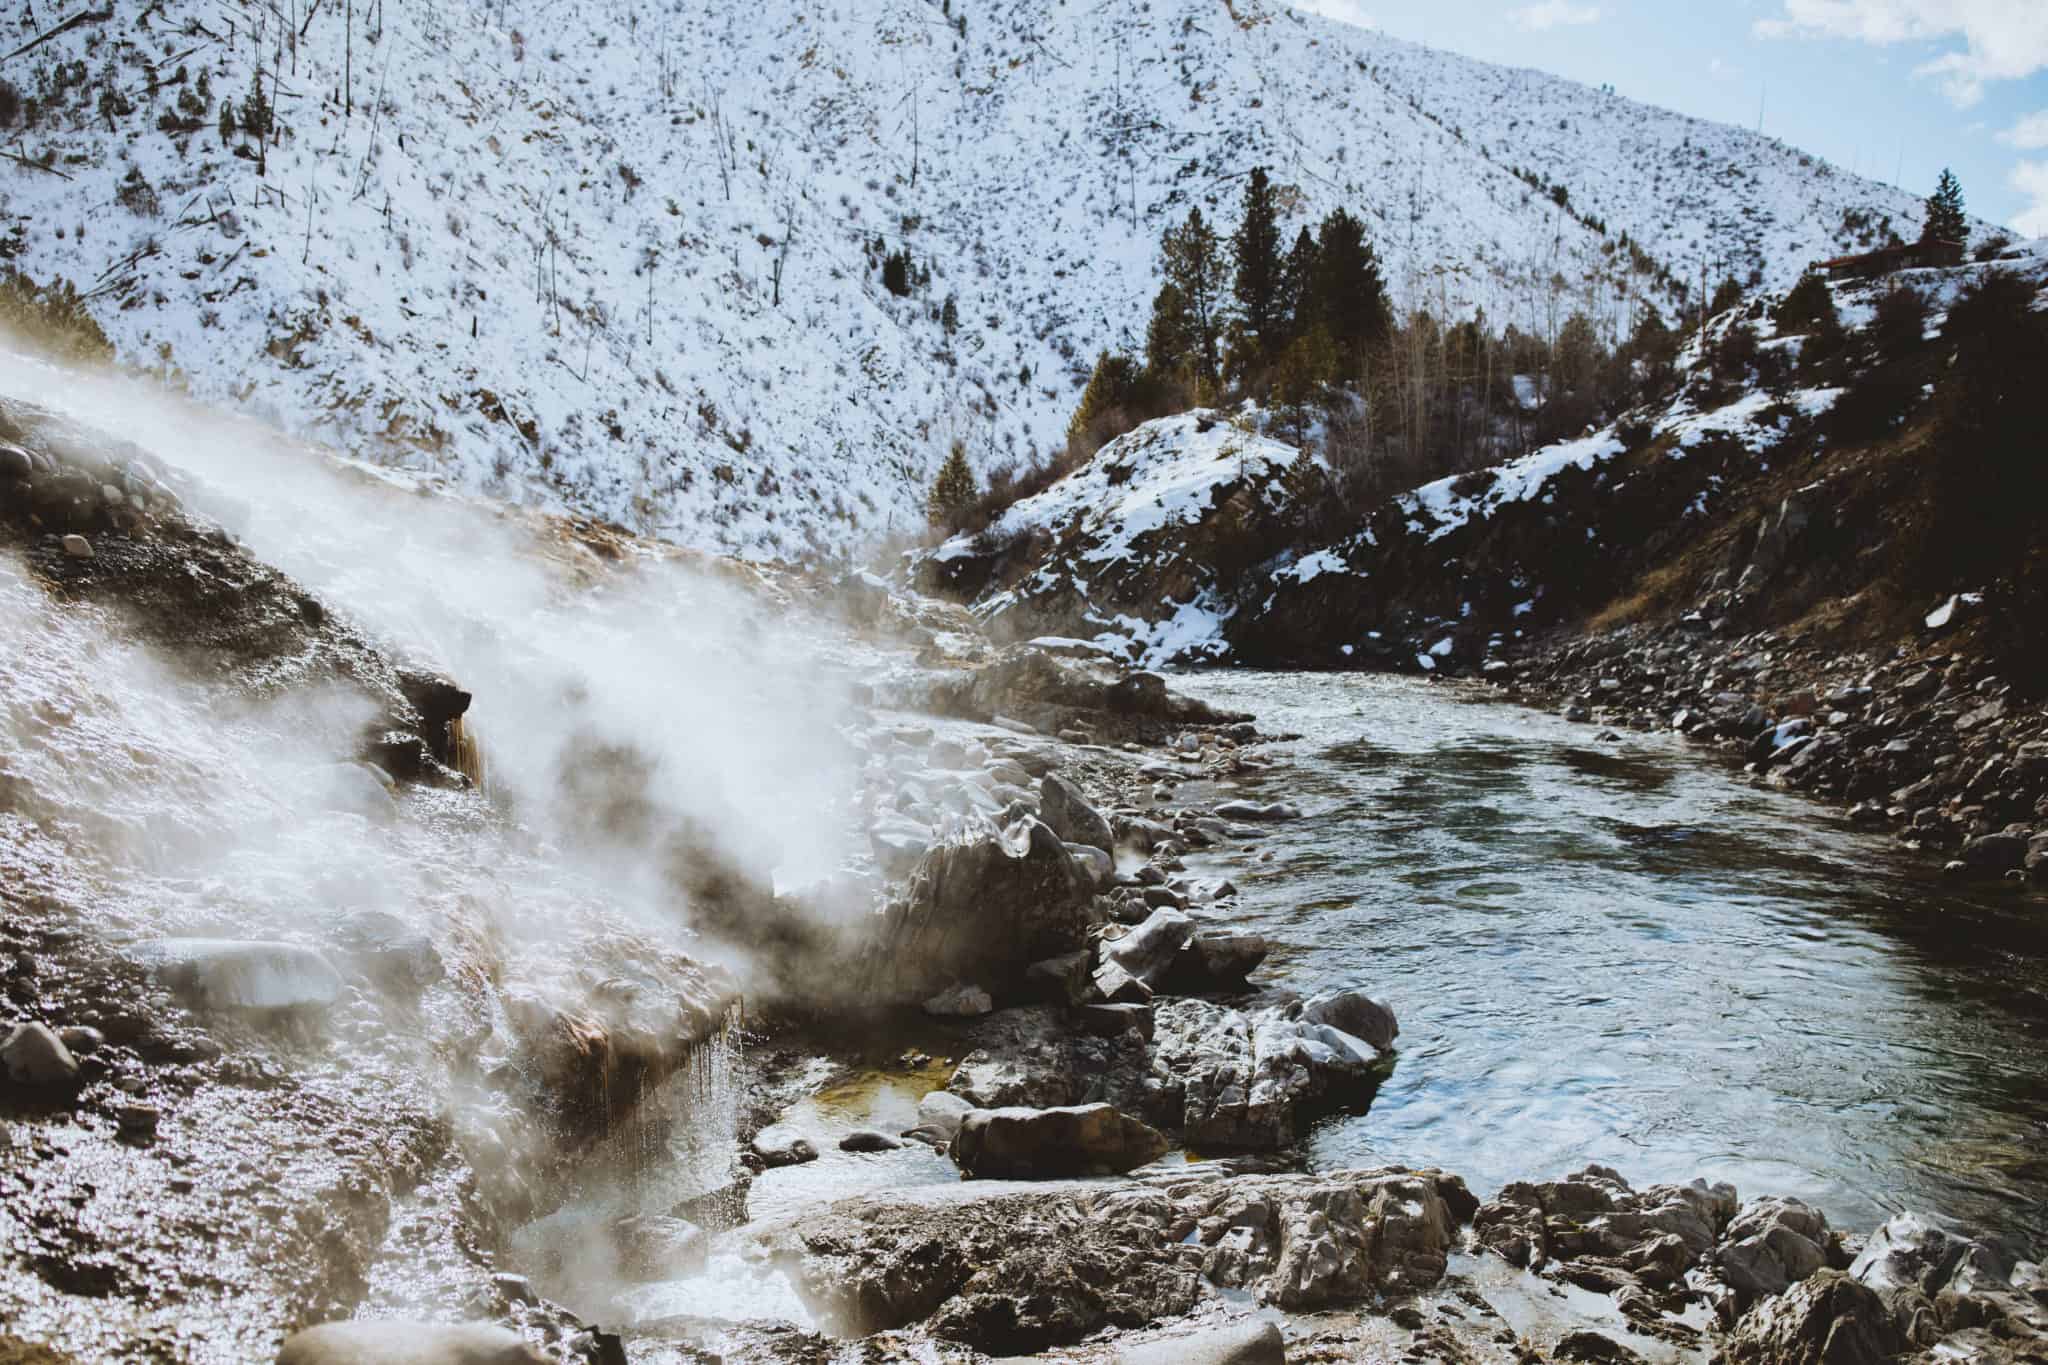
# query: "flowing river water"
[[1621, 953]]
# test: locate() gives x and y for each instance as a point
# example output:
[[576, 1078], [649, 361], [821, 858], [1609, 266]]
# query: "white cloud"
[[1349, 11], [2030, 178], [1553, 14], [2003, 40], [2030, 134]]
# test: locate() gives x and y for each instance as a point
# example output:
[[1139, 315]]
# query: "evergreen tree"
[[1726, 296], [1991, 411], [1351, 298], [949, 316], [227, 121], [1258, 284], [896, 272], [1191, 258], [1945, 221], [1298, 286], [1169, 345], [1115, 390], [1808, 307], [954, 491], [256, 112]]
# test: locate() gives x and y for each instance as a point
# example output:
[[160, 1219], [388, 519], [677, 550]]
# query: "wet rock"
[[1239, 1343], [34, 1056], [1110, 1021], [960, 1002], [779, 1145], [82, 1039], [1141, 694], [1910, 1252], [1992, 855], [136, 1121], [717, 1210], [244, 974], [1039, 1144], [1216, 961], [407, 1343], [1252, 810], [1071, 816], [980, 908], [868, 1140], [1772, 1244], [77, 547], [1037, 1078], [1595, 1348], [1098, 867], [1231, 1080], [1355, 1013], [1827, 1319], [1145, 955], [942, 1111]]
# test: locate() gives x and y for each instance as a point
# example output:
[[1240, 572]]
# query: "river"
[[1624, 953]]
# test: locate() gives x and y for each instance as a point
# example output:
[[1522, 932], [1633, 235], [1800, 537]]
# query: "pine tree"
[[1257, 284], [1168, 343], [1191, 258], [949, 316], [1298, 286], [256, 109], [1945, 220], [1351, 298], [896, 272], [227, 121], [1114, 389], [954, 491]]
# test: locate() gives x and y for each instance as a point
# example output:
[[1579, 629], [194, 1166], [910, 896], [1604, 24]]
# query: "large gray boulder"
[[244, 974], [1771, 1245], [1039, 1144], [1144, 956], [980, 907], [34, 1056], [407, 1343], [1239, 1343]]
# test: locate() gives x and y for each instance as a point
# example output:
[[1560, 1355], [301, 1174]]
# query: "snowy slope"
[[533, 245]]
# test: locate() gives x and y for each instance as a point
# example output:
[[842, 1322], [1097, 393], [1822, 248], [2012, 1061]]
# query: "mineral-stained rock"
[[1037, 1144]]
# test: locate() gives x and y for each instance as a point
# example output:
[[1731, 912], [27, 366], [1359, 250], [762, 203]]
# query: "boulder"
[[1910, 1252], [980, 908], [780, 1145], [1072, 816], [407, 1343], [1771, 1245], [1826, 1319], [1355, 1013], [1237, 1081], [654, 1246], [1038, 1144], [869, 1140], [1098, 867], [942, 1111], [1216, 960], [1253, 810], [34, 1056]]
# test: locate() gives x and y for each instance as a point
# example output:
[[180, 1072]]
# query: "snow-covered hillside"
[[621, 256]]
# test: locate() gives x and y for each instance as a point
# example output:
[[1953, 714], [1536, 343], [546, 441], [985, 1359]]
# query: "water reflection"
[[1623, 953]]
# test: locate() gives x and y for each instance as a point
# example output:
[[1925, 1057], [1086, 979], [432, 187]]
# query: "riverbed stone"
[[964, 1001], [1146, 954], [780, 1145], [36, 1057], [1238, 1343], [1826, 1319], [1037, 1144], [1232, 1080], [373, 1342], [869, 1140]]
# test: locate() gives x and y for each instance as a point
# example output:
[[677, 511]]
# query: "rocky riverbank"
[[1926, 741]]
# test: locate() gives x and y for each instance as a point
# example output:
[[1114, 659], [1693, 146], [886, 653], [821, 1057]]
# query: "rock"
[[1039, 1144], [1909, 1252], [15, 464], [717, 1210], [1071, 816], [942, 1110], [960, 1002], [1772, 1244], [1146, 954], [1232, 1081], [1251, 810], [34, 1056], [1240, 1343], [978, 908], [1216, 960], [1138, 694], [1111, 1021], [1063, 979], [779, 1145], [244, 974], [1590, 1346], [137, 1121], [1827, 1319], [1098, 867], [1038, 1078], [1355, 1013], [77, 547], [868, 1140], [1994, 854], [81, 1039], [407, 1343], [898, 845]]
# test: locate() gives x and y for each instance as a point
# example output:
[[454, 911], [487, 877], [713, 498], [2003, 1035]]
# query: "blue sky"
[[1893, 89]]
